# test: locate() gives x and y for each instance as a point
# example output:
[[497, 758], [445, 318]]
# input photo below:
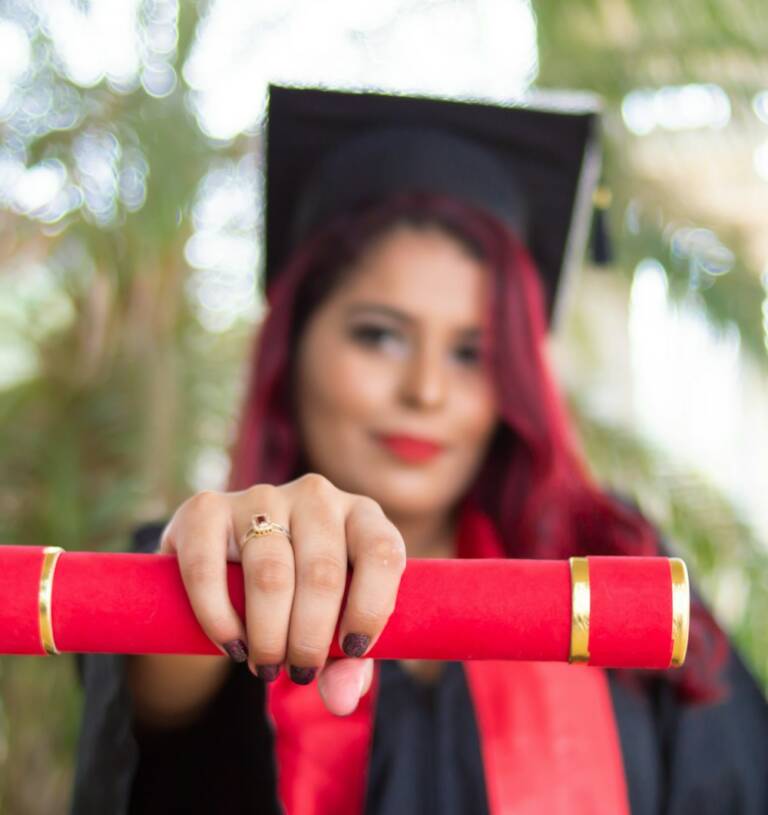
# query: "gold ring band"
[[261, 526], [681, 599], [45, 593], [579, 609]]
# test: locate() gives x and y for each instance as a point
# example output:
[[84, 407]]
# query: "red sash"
[[547, 731]]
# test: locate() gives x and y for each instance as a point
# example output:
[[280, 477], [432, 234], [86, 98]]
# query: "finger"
[[198, 534], [320, 553], [269, 580], [378, 556], [342, 682]]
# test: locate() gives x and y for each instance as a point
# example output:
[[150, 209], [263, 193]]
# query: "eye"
[[468, 354], [369, 334]]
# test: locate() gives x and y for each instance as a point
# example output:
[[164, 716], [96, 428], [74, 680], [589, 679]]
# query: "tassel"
[[600, 241]]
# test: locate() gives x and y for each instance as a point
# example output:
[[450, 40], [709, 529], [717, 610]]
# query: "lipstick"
[[410, 448]]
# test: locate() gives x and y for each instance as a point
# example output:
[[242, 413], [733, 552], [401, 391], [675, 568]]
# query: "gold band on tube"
[[579, 609], [50, 556], [681, 610]]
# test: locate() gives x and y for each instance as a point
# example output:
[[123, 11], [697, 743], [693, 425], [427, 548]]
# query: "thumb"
[[342, 682]]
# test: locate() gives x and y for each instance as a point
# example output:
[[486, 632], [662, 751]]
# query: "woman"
[[400, 404]]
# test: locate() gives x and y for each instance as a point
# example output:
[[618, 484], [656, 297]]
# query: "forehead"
[[421, 270]]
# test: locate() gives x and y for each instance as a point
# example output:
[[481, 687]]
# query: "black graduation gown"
[[678, 759]]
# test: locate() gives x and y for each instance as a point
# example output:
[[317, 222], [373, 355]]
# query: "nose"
[[424, 379]]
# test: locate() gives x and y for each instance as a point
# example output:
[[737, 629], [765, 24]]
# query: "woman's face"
[[394, 351]]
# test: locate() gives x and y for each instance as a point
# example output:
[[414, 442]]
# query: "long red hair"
[[533, 483]]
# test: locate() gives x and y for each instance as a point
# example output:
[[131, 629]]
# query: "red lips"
[[410, 448]]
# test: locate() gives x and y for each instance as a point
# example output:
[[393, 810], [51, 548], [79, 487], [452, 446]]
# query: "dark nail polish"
[[267, 672], [302, 676], [237, 649], [354, 645]]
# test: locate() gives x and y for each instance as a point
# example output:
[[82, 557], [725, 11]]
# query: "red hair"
[[533, 483]]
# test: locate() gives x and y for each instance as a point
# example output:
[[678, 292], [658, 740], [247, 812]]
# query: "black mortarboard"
[[536, 167]]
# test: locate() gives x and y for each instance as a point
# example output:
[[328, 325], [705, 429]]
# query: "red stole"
[[547, 731]]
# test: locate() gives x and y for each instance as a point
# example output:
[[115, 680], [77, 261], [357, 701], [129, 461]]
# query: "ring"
[[261, 526]]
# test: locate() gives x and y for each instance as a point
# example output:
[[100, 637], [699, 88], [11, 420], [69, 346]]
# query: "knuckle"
[[324, 573], [205, 501], [270, 575], [372, 617], [199, 571], [263, 494], [265, 653], [385, 552], [316, 485], [365, 502], [308, 650]]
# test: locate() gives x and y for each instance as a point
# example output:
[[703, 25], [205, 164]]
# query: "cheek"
[[339, 383], [478, 410]]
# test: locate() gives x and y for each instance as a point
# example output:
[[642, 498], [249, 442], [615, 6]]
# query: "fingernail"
[[302, 676], [237, 650], [354, 645], [267, 672]]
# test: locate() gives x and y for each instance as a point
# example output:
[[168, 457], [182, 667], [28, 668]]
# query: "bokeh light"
[[350, 45], [686, 107], [224, 250]]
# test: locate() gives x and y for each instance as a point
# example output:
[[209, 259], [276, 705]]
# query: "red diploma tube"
[[629, 612]]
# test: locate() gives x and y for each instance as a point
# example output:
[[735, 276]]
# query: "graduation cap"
[[535, 167]]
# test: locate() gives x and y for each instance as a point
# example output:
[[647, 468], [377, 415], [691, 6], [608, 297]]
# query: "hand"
[[293, 589]]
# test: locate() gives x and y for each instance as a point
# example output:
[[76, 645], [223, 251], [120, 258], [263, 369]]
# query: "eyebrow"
[[401, 316]]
